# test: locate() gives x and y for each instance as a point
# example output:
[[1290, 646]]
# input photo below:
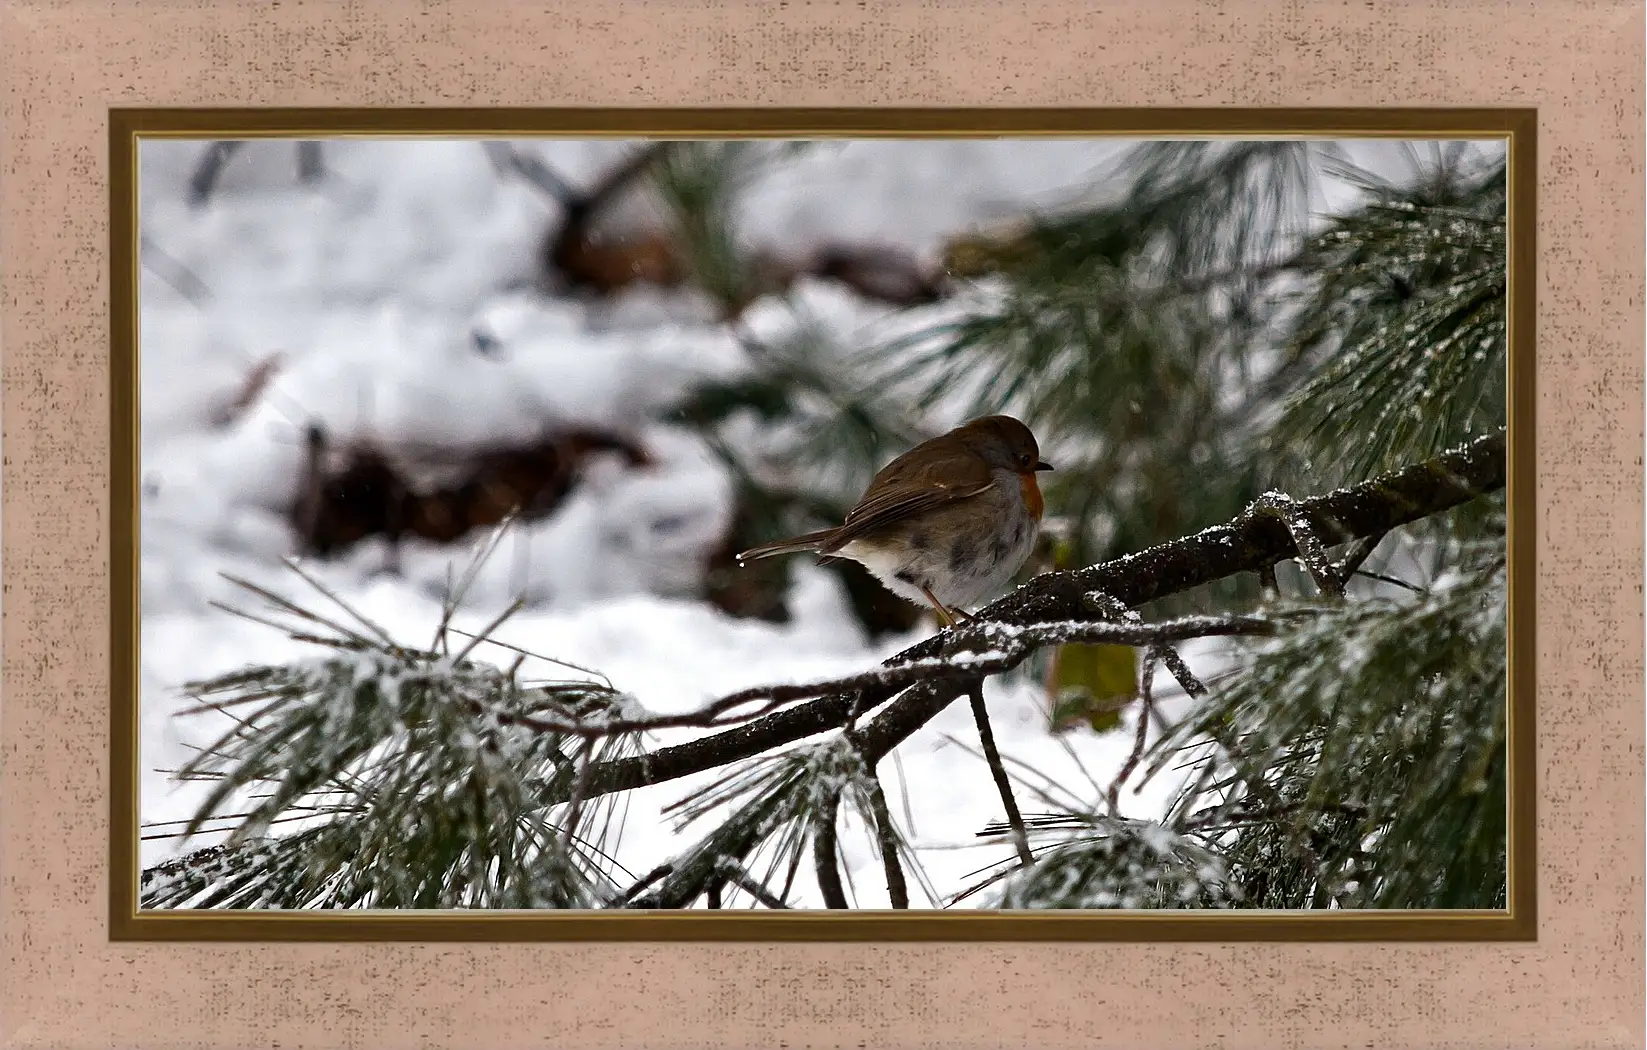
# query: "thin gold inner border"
[[1519, 922]]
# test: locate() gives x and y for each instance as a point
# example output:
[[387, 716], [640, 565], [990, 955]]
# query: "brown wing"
[[909, 486]]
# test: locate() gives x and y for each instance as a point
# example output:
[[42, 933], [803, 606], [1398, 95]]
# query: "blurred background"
[[645, 356]]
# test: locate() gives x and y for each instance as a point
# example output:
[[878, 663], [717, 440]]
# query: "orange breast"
[[1032, 495]]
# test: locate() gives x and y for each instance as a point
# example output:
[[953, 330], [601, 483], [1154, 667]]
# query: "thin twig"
[[986, 736], [1043, 791], [1146, 709], [1356, 555], [739, 876], [311, 165], [210, 169], [887, 838], [182, 280], [644, 881], [485, 632], [1312, 552], [1267, 581], [824, 846], [1187, 681]]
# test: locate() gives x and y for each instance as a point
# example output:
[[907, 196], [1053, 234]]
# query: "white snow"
[[372, 285]]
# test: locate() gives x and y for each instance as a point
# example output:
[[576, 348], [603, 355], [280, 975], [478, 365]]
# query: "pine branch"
[[1360, 757], [582, 209], [1051, 607], [1246, 544]]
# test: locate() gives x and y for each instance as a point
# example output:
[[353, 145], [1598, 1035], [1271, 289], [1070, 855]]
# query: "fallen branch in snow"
[[1249, 543], [257, 380], [210, 169], [508, 159], [346, 495], [588, 257], [311, 166], [164, 265], [577, 252], [881, 272]]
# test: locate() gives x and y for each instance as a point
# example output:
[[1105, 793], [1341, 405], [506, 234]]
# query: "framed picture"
[[1005, 525], [508, 534]]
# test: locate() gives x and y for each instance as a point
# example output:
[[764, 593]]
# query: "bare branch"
[[1311, 551], [986, 737], [886, 837], [1146, 708], [507, 158], [824, 841], [1356, 556], [739, 876], [1243, 545], [1005, 646], [644, 881], [162, 264], [311, 164]]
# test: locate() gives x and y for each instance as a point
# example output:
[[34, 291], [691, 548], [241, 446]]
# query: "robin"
[[946, 523]]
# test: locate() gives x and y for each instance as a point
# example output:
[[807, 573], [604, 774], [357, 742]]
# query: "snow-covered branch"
[[1248, 543], [978, 649]]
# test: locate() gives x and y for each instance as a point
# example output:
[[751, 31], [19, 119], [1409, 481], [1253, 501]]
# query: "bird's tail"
[[812, 541]]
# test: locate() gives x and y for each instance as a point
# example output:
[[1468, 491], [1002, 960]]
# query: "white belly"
[[956, 581]]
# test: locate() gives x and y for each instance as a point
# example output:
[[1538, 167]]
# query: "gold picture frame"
[[127, 923]]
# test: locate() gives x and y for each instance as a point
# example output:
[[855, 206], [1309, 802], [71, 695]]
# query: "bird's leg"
[[945, 617]]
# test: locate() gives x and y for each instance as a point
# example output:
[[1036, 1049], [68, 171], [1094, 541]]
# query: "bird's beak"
[[1043, 466]]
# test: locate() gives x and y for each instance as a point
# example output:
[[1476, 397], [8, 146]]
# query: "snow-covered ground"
[[371, 284]]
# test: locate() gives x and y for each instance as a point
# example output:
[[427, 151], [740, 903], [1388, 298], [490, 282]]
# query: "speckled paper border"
[[66, 985]]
